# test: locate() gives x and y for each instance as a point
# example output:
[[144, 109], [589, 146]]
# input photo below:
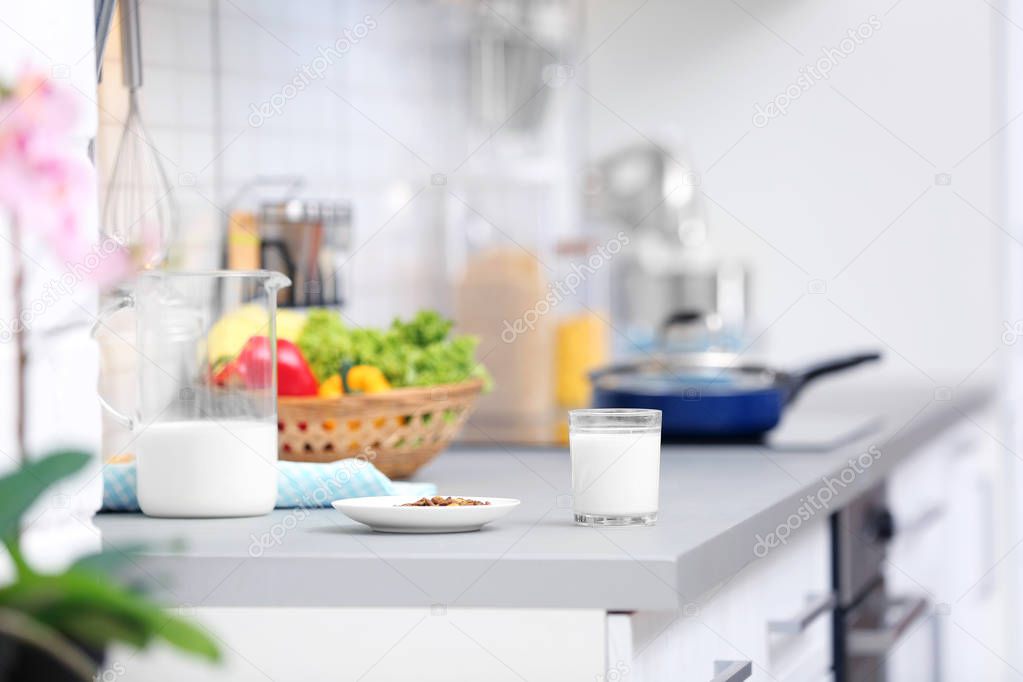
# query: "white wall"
[[1011, 214], [831, 190], [55, 40]]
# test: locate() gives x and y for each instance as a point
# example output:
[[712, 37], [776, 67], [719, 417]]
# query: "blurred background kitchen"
[[794, 180], [595, 180]]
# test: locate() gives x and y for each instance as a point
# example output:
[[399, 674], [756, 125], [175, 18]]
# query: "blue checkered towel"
[[299, 484]]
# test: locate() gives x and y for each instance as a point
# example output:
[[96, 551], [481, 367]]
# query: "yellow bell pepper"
[[331, 387], [367, 379]]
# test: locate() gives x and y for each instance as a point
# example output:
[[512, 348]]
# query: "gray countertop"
[[715, 501]]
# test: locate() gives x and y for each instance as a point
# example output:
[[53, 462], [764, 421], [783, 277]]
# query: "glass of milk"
[[616, 466]]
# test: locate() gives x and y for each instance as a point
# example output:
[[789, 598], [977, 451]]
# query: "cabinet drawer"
[[799, 609], [761, 614], [951, 556]]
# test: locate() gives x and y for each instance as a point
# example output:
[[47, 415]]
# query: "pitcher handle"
[[126, 301]]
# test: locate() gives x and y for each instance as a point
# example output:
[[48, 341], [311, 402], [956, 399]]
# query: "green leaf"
[[427, 327], [82, 603], [188, 637], [84, 623], [20, 489], [87, 606]]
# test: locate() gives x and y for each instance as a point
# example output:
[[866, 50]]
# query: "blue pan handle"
[[801, 378]]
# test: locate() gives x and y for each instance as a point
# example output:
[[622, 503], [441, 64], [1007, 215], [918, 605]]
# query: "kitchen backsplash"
[[367, 102]]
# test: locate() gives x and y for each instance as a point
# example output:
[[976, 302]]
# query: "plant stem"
[[22, 628], [19, 341]]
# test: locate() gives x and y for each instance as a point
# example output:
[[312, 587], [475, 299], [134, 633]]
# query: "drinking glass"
[[204, 446], [616, 463]]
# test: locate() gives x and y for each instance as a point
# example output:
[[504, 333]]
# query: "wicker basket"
[[399, 431]]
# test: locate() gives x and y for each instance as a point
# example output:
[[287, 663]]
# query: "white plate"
[[385, 514]]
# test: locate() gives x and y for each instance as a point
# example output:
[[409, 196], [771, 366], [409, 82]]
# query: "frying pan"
[[703, 396]]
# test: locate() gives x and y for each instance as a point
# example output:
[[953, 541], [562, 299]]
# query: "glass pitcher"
[[204, 431]]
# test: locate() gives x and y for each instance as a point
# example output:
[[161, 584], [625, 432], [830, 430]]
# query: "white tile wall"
[[382, 119]]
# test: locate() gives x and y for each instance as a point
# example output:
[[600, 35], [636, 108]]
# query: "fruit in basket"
[[230, 333], [290, 324], [332, 387], [251, 368], [367, 379], [357, 379]]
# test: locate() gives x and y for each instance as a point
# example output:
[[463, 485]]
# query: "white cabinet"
[[945, 502], [734, 621], [382, 645]]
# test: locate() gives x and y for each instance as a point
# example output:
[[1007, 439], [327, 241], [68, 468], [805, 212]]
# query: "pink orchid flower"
[[44, 183]]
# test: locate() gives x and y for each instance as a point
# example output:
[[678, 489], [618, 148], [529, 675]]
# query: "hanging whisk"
[[140, 210]]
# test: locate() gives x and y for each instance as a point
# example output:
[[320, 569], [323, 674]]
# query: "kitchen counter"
[[719, 506]]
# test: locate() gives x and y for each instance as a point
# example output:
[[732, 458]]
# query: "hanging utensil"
[[104, 16], [140, 210]]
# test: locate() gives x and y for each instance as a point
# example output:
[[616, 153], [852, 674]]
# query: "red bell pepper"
[[251, 368]]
